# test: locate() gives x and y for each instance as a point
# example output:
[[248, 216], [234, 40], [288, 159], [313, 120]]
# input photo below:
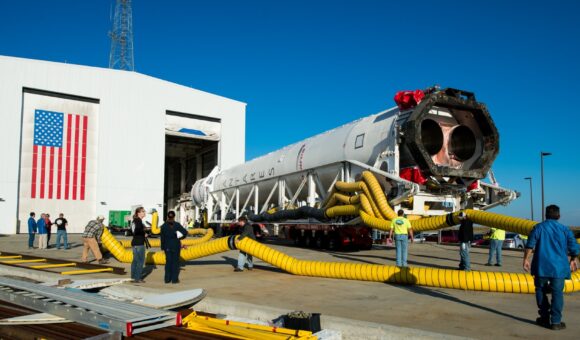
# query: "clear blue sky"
[[304, 67]]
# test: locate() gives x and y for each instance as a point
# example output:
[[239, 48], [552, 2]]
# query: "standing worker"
[[465, 239], [31, 230], [497, 236], [41, 225], [524, 239], [48, 223], [93, 232], [555, 251], [402, 228], [245, 258], [171, 234], [138, 245], [61, 224]]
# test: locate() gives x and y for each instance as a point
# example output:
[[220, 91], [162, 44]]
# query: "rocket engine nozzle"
[[450, 134]]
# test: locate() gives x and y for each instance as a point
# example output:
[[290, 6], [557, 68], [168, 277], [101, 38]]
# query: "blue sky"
[[304, 67]]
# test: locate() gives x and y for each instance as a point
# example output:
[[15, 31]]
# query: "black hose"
[[294, 214]]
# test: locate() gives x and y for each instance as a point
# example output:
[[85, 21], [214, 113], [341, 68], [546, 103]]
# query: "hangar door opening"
[[191, 152]]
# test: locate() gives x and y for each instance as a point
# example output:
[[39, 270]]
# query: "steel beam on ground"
[[85, 308]]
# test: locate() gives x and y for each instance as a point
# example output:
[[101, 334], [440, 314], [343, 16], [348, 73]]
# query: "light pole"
[[531, 197], [542, 154]]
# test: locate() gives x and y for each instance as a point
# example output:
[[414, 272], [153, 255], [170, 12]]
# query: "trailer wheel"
[[322, 241], [308, 242], [333, 243], [318, 242]]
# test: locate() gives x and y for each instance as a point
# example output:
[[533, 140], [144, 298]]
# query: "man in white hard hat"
[[92, 233]]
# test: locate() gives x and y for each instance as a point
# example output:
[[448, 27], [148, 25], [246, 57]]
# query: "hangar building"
[[85, 141]]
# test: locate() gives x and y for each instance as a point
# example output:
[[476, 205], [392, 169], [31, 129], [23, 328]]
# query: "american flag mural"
[[58, 160], [59, 156]]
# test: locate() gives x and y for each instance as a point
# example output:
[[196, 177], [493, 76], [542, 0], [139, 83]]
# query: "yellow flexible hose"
[[366, 205], [155, 223], [430, 277], [378, 195], [208, 234], [508, 223], [123, 254], [342, 210], [345, 199], [330, 201], [367, 192]]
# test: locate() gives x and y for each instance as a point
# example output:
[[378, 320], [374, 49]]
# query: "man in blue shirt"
[[555, 251], [42, 232], [31, 230]]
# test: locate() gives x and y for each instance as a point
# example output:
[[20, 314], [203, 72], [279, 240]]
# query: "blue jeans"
[[464, 248], [244, 258], [401, 242], [495, 247], [138, 261], [172, 266], [61, 234], [31, 240], [544, 286]]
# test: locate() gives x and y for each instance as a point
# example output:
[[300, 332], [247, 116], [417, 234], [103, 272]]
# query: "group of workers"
[[43, 228], [555, 251], [553, 244], [171, 234]]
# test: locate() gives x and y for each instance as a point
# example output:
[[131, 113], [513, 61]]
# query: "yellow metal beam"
[[43, 266], [23, 261], [11, 257], [87, 271]]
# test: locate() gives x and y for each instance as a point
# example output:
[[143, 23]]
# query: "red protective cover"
[[412, 174], [408, 99], [474, 185]]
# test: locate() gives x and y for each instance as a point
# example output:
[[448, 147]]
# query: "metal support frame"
[[288, 195], [265, 206], [88, 309], [300, 187]]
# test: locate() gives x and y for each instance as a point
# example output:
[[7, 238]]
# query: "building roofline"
[[103, 69]]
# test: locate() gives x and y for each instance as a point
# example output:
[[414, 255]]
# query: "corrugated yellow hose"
[[378, 195], [341, 198], [366, 205], [359, 186], [508, 223], [430, 277], [123, 254], [155, 223], [342, 210], [208, 234]]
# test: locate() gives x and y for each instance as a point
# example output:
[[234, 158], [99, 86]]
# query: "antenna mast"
[[121, 56]]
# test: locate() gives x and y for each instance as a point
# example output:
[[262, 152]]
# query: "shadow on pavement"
[[441, 295]]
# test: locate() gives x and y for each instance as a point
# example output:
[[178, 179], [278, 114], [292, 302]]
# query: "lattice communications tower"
[[121, 56]]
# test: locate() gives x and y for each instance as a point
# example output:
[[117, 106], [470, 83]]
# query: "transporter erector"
[[430, 154]]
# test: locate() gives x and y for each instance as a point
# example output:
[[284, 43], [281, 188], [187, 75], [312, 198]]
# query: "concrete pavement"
[[435, 311]]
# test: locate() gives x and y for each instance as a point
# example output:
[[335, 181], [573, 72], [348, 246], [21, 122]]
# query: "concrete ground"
[[461, 313]]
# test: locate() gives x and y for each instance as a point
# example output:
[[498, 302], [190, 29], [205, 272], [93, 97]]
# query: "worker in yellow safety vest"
[[524, 239], [402, 227], [496, 238]]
